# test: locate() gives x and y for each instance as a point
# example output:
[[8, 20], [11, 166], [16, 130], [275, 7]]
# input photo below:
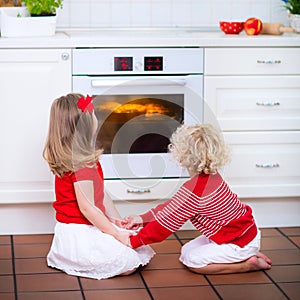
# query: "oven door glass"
[[137, 123], [137, 115]]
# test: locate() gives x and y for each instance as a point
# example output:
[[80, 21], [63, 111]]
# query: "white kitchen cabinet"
[[264, 164], [30, 79], [254, 102], [253, 96], [252, 61]]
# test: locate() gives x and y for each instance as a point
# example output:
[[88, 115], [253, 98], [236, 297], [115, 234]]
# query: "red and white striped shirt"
[[210, 205]]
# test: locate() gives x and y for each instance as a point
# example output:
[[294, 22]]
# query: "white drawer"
[[143, 189], [264, 164], [247, 61], [253, 102]]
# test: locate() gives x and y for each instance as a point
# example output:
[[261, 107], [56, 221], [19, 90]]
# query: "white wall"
[[166, 13]]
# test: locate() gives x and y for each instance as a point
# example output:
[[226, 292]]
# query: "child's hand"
[[120, 223], [133, 222], [123, 237]]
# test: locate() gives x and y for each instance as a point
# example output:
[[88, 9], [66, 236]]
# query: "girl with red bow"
[[89, 240]]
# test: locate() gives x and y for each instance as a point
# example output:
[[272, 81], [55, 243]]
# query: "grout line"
[[266, 273], [275, 283], [13, 266], [178, 239], [288, 237], [145, 284], [205, 276], [81, 289], [213, 287]]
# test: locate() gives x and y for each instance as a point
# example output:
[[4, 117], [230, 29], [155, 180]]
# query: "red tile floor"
[[24, 274]]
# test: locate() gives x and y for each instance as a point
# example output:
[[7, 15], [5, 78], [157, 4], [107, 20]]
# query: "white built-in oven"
[[141, 95]]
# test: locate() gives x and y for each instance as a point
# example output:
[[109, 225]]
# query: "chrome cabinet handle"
[[267, 103], [138, 191], [267, 165], [269, 62]]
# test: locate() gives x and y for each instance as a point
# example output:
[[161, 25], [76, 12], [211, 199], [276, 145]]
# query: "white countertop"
[[153, 37]]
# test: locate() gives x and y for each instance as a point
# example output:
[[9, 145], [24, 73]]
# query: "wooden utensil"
[[275, 29]]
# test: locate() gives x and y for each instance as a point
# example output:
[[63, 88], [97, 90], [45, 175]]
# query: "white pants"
[[201, 252]]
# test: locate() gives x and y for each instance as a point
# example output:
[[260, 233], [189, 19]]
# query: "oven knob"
[[65, 56], [138, 66]]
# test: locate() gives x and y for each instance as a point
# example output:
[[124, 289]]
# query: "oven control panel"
[[123, 63], [151, 63], [132, 61]]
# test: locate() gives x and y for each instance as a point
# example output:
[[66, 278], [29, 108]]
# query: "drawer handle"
[[267, 166], [138, 191], [267, 103], [269, 62]]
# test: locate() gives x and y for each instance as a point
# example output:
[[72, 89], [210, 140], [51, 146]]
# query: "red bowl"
[[232, 27]]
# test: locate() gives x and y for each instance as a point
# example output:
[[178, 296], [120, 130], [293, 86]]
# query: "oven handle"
[[169, 81]]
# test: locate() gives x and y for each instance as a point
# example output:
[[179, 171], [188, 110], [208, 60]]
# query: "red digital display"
[[154, 63], [123, 63]]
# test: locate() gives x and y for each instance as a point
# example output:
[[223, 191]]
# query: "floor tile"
[[7, 296], [250, 292], [47, 282], [6, 284], [33, 239], [283, 257], [188, 234], [167, 246], [5, 251], [242, 278], [277, 243], [6, 267], [269, 232], [295, 240], [33, 265], [131, 294], [168, 278], [121, 282], [285, 273], [171, 237], [31, 250], [165, 261], [290, 231], [186, 293], [5, 240], [291, 289], [65, 295]]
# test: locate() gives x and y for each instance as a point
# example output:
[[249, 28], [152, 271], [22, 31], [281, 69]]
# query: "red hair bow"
[[86, 104]]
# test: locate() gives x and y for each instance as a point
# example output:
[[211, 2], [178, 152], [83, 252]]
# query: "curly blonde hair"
[[199, 148], [70, 143]]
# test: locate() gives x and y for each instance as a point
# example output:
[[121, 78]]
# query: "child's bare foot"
[[256, 263], [264, 257]]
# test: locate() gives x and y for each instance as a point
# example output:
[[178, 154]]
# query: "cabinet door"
[[264, 164], [253, 102], [252, 61], [30, 80]]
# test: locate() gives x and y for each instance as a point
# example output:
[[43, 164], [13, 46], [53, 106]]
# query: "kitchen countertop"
[[151, 37]]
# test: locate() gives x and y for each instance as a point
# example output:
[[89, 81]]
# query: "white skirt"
[[84, 250]]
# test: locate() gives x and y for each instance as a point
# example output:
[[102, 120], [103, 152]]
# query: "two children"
[[89, 239]]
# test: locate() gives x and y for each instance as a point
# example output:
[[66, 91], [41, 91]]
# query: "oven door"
[[137, 115]]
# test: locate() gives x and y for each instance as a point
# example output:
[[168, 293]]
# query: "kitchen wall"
[[166, 13]]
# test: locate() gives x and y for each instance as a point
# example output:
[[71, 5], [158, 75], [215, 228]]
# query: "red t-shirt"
[[66, 206]]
